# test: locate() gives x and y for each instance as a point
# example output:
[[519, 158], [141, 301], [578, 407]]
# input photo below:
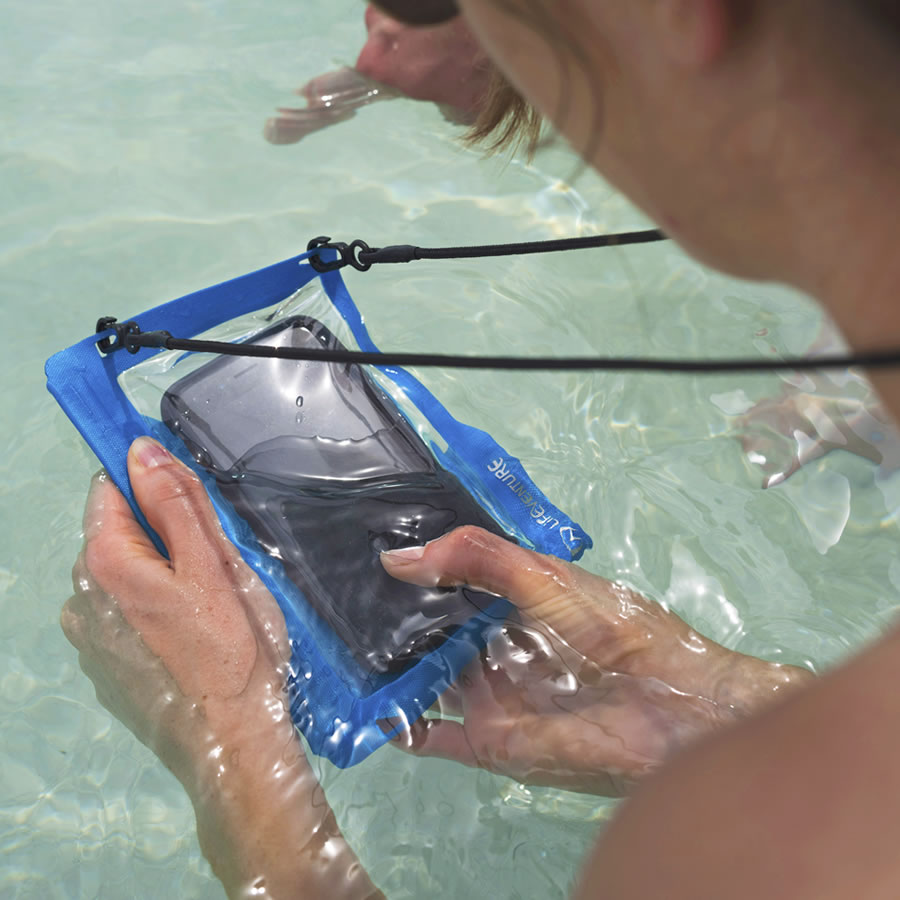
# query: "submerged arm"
[[190, 653], [801, 802], [264, 823]]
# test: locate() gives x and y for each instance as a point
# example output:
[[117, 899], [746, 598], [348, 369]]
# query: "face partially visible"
[[557, 55], [612, 76]]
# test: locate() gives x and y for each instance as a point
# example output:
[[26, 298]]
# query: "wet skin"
[[799, 800], [593, 689], [442, 65]]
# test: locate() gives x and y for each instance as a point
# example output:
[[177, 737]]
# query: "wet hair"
[[506, 120]]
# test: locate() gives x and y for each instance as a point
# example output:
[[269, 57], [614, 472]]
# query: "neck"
[[839, 183], [858, 274]]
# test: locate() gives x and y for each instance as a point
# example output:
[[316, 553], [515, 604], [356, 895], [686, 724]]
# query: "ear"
[[694, 33]]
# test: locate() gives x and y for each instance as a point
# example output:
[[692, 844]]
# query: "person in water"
[[443, 64], [764, 136]]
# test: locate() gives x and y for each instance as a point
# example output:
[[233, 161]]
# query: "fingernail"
[[150, 454], [405, 554]]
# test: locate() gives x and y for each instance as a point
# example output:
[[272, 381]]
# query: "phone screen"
[[328, 473]]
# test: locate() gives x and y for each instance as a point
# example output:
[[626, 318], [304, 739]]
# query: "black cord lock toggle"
[[349, 255], [128, 335], [120, 338]]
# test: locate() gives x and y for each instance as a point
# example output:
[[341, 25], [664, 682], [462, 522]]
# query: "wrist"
[[748, 684], [263, 821]]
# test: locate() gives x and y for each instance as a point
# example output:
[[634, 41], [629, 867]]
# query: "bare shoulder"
[[801, 802]]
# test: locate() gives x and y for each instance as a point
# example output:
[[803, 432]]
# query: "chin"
[[729, 252]]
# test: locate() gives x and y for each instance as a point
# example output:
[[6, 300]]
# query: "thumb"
[[441, 738], [177, 508], [542, 586]]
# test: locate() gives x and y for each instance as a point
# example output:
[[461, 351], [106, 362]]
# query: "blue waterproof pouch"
[[313, 469]]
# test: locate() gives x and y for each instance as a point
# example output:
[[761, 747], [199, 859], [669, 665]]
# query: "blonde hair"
[[505, 121]]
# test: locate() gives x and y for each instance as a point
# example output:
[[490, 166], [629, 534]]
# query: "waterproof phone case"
[[328, 473], [313, 469]]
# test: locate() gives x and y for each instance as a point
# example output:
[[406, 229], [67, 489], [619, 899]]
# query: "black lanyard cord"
[[129, 336], [362, 257]]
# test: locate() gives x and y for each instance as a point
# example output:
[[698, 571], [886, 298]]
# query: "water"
[[132, 170]]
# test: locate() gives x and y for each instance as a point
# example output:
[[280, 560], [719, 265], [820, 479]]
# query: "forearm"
[[799, 801], [263, 820], [728, 685], [190, 653]]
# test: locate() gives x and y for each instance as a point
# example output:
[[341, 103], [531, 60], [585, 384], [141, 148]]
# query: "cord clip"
[[123, 331], [128, 335], [350, 255]]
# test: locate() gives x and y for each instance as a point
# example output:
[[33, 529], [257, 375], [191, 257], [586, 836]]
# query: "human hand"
[[783, 433], [443, 65], [330, 98], [175, 647], [593, 687], [190, 653]]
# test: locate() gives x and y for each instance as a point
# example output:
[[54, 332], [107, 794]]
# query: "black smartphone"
[[328, 473]]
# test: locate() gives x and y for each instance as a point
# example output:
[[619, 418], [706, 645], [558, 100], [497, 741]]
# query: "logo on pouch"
[[502, 472], [571, 539]]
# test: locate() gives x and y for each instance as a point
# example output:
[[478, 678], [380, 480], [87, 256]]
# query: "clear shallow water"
[[132, 170]]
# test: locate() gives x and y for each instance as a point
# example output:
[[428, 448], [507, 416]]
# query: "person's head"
[[704, 112], [688, 106]]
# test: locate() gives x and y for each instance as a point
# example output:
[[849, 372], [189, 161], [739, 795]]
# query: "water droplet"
[[300, 401], [299, 418]]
